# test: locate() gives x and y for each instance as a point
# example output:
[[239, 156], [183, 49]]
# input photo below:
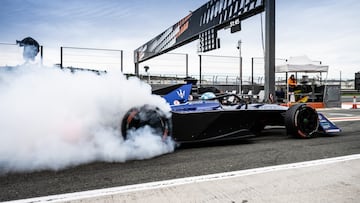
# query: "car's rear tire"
[[301, 121], [146, 115]]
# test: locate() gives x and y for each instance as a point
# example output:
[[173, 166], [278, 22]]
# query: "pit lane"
[[273, 147]]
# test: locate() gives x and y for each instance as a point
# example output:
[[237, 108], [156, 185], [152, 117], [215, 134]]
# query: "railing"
[[10, 54], [102, 59], [232, 80], [205, 79], [91, 58]]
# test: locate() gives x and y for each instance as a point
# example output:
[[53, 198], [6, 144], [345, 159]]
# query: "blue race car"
[[223, 117]]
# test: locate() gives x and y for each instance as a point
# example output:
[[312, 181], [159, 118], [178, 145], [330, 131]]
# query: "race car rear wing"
[[179, 95]]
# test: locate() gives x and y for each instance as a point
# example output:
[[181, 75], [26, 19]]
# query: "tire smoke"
[[51, 119]]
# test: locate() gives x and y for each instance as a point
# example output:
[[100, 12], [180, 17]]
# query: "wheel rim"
[[147, 115], [307, 121]]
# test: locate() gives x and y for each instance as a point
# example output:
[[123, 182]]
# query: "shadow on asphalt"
[[216, 143], [272, 133]]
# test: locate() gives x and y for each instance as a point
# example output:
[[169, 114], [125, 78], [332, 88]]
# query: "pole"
[[61, 57], [122, 59], [341, 80], [42, 55], [252, 72], [240, 67], [200, 69], [137, 63], [269, 85], [187, 65]]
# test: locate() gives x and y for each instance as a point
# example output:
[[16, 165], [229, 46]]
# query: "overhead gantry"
[[203, 24]]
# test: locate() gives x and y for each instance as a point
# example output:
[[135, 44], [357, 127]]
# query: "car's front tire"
[[301, 121]]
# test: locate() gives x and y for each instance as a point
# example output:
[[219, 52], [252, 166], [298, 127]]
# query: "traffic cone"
[[354, 106]]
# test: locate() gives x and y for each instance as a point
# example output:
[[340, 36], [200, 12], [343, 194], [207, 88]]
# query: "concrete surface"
[[326, 180]]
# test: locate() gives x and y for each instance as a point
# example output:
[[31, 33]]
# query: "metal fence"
[[10, 54], [91, 58], [219, 70], [166, 64]]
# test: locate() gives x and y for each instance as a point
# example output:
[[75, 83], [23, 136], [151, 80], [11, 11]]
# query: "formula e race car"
[[223, 117]]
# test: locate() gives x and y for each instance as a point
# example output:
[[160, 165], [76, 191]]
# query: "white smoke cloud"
[[30, 52], [53, 119]]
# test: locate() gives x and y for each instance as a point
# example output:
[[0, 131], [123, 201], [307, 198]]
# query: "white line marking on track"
[[182, 181], [342, 114], [338, 119]]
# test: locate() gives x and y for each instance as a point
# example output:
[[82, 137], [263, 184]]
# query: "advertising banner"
[[214, 15]]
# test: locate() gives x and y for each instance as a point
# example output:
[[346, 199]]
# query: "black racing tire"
[[146, 115], [301, 121]]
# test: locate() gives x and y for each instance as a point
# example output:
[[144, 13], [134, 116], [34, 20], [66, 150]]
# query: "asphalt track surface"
[[273, 147]]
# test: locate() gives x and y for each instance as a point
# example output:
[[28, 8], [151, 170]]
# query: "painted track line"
[[338, 119], [182, 181]]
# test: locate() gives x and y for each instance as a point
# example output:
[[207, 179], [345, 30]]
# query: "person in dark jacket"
[[31, 48]]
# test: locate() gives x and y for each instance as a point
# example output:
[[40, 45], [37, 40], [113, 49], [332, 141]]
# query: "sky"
[[324, 30]]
